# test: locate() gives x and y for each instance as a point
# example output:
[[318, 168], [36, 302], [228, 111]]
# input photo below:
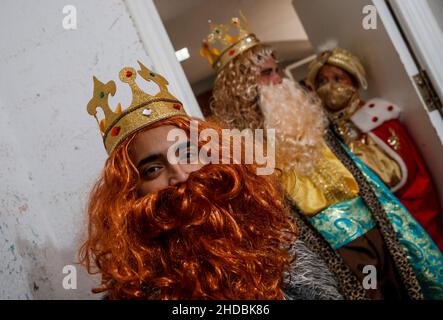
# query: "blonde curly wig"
[[235, 101], [240, 102]]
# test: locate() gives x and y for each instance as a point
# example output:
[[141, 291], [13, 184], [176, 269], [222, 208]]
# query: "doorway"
[[298, 29], [274, 22]]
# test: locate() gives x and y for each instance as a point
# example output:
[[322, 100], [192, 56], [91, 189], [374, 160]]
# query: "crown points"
[[118, 124], [127, 75], [225, 42]]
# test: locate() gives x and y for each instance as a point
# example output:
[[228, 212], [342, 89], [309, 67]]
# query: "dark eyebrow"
[[150, 158], [155, 157]]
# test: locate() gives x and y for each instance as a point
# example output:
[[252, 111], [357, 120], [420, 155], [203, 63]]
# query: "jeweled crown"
[[144, 109], [221, 46]]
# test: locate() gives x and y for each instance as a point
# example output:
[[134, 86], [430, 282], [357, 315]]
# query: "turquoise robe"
[[346, 221]]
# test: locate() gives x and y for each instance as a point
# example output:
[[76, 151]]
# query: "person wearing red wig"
[[159, 229]]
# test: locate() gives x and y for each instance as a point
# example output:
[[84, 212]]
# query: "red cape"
[[416, 191]]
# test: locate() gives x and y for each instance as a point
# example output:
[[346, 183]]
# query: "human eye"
[[321, 81], [266, 72], [338, 78], [151, 171]]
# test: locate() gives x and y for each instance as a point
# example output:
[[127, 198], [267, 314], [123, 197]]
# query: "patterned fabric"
[[418, 193], [424, 256], [350, 287], [343, 222], [370, 198], [309, 277], [327, 184]]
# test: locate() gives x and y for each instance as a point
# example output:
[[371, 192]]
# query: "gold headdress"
[[340, 58], [144, 109], [220, 47]]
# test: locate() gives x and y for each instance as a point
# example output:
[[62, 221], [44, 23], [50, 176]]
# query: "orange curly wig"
[[222, 234]]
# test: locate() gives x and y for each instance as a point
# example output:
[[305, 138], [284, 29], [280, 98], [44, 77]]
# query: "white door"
[[418, 38]]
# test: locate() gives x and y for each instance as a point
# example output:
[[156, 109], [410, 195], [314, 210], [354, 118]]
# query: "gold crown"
[[144, 109], [220, 47]]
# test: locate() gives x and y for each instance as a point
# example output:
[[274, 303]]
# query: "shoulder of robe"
[[374, 113]]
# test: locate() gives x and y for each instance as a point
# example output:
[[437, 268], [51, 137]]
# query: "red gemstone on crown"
[[374, 119], [177, 106], [115, 131], [390, 108], [128, 74], [231, 52]]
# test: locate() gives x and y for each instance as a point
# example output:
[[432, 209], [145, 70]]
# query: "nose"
[[278, 79], [177, 174]]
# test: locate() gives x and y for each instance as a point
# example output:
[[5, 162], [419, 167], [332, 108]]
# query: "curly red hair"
[[222, 234]]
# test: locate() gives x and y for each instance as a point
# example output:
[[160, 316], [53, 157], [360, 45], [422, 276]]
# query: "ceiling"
[[170, 9], [275, 22]]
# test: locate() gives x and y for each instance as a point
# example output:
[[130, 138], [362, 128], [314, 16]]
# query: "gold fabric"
[[377, 160], [329, 183], [364, 147], [336, 96]]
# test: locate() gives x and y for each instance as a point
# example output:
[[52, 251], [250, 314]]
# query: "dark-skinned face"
[[149, 152]]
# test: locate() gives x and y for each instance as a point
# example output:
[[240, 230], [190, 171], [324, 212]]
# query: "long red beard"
[[222, 234]]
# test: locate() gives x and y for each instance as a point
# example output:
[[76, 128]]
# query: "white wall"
[[386, 75], [50, 148]]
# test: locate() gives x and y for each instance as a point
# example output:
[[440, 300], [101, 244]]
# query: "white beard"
[[299, 122]]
